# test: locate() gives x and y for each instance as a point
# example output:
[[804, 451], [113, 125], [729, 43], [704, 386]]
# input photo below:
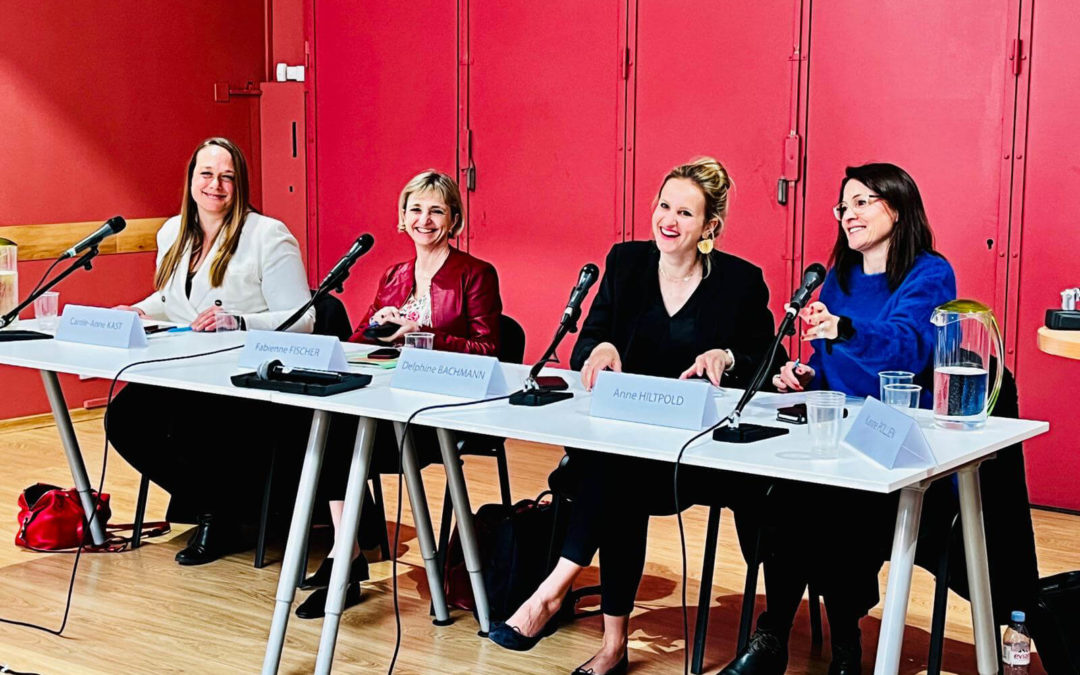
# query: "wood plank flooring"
[[139, 612]]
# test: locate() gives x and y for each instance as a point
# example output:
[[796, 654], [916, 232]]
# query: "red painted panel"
[[542, 109], [919, 84], [1048, 254], [732, 103], [284, 158], [386, 82]]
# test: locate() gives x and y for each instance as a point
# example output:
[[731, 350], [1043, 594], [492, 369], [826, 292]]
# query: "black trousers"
[[615, 498], [210, 453], [833, 537]]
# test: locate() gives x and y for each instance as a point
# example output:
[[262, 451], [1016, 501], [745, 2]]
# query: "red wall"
[[102, 105]]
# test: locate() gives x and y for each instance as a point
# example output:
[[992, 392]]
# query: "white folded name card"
[[890, 437], [684, 404], [450, 373], [294, 350], [100, 326]]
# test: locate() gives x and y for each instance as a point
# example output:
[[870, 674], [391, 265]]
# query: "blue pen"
[[179, 329]]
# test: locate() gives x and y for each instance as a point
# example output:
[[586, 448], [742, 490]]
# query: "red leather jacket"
[[465, 303]]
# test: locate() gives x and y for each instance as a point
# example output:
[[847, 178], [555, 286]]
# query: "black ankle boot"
[[846, 655], [212, 540], [765, 655]]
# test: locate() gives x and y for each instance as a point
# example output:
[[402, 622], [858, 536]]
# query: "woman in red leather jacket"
[[443, 291]]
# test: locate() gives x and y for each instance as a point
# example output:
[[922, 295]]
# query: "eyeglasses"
[[859, 206]]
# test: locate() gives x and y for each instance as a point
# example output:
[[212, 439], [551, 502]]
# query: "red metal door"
[[920, 84], [385, 88], [284, 159], [1050, 242], [541, 97], [715, 79]]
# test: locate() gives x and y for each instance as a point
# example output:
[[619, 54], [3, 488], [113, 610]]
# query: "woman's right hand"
[[792, 378], [604, 356], [131, 308]]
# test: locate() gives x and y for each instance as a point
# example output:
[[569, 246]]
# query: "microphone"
[[111, 227], [273, 370], [587, 277], [811, 279], [361, 246]]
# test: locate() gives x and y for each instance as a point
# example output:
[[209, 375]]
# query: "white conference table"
[[566, 423]]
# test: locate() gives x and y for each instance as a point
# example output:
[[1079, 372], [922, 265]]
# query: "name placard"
[[100, 326], [449, 373], [889, 437], [684, 404], [294, 350]]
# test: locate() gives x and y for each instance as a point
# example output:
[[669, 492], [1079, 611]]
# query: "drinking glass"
[[226, 321], [887, 377], [824, 411], [902, 396], [46, 307], [420, 340]]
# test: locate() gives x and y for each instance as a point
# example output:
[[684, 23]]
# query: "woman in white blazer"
[[218, 259]]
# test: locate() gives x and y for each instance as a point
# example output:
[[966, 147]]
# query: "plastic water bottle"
[[1016, 647]]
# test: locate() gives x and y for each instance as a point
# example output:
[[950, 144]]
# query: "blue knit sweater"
[[892, 328]]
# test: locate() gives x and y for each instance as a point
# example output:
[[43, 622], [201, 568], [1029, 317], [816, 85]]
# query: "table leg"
[[344, 539], [422, 519], [71, 449], [294, 546], [978, 571], [901, 566], [455, 479]]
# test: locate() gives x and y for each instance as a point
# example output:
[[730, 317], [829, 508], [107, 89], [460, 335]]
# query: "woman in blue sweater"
[[873, 315]]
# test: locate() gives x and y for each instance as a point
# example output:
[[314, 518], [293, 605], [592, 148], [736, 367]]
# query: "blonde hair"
[[715, 183], [442, 185], [191, 235]]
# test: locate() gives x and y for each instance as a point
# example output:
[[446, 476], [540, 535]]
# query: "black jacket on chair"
[[736, 315]]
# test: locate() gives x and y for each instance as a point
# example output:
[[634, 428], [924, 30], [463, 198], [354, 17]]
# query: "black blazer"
[[734, 312]]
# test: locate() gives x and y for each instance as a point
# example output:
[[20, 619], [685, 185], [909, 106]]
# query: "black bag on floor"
[[1056, 625], [513, 542]]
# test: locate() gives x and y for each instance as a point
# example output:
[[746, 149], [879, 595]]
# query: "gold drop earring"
[[705, 246]]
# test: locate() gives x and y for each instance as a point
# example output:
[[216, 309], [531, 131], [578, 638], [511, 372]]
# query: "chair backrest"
[[331, 318], [512, 340]]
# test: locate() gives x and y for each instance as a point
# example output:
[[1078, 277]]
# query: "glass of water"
[[902, 396], [420, 340], [824, 411], [46, 308], [887, 377]]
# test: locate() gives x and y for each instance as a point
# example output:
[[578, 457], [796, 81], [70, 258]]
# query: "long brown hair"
[[911, 234], [191, 235]]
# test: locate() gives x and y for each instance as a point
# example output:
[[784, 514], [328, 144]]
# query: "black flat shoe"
[[508, 636], [846, 658], [358, 571], [315, 605], [211, 541], [765, 655], [619, 668]]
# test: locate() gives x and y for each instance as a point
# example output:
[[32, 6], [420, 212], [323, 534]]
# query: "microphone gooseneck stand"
[[84, 261], [532, 392], [337, 283]]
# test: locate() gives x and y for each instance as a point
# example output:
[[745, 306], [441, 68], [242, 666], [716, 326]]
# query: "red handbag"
[[52, 519]]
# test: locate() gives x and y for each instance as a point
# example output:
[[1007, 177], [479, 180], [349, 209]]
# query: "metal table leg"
[[901, 565], [455, 479], [978, 571], [71, 449], [344, 539], [424, 534], [294, 547]]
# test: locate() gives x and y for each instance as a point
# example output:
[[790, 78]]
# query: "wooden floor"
[[140, 612]]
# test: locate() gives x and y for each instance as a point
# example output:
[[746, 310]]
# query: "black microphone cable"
[[101, 485], [397, 523]]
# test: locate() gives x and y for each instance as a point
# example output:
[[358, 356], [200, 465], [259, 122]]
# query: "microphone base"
[[538, 397], [747, 433], [348, 382]]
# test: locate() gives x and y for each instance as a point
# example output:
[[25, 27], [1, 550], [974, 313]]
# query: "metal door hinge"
[[626, 64], [1016, 55]]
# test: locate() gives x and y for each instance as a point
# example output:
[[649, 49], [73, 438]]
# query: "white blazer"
[[265, 279]]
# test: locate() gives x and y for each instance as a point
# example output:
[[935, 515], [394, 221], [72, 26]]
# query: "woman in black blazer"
[[671, 307]]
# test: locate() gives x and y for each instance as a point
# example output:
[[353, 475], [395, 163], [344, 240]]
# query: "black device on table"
[[795, 414], [384, 354]]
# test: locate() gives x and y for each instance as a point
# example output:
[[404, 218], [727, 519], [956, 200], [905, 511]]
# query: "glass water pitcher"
[[966, 329], [9, 276]]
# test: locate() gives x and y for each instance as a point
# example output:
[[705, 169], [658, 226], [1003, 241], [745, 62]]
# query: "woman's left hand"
[[207, 320], [821, 323], [711, 364], [406, 327]]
